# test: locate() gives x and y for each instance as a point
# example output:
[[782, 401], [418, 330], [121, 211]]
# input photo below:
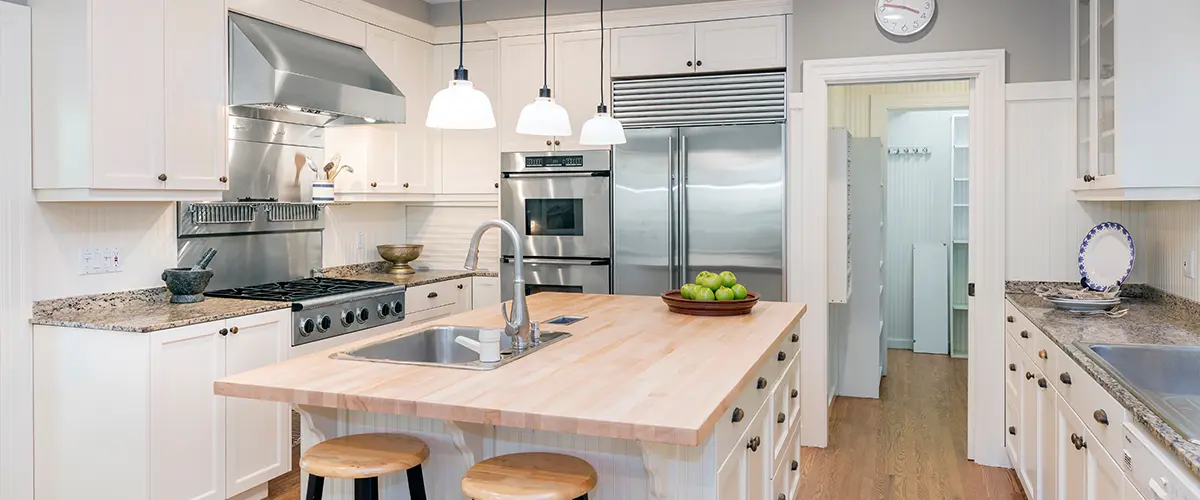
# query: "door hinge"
[[970, 289]]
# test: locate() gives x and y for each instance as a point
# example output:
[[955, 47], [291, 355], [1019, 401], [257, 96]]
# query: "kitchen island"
[[662, 405]]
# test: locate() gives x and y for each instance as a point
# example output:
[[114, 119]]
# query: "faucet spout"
[[516, 323]]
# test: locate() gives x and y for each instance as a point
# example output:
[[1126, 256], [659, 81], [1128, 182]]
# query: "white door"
[[195, 94], [654, 50], [258, 433], [731, 479], [1072, 462], [521, 58], [485, 292], [187, 421], [470, 159], [1027, 428], [1047, 439], [127, 83], [1104, 477], [407, 62], [741, 44], [758, 459], [579, 81]]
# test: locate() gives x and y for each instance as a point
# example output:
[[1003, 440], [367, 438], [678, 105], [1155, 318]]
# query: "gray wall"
[[1036, 33], [477, 11], [416, 9], [18, 2]]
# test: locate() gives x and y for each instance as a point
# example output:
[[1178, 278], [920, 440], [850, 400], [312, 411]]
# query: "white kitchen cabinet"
[[520, 79], [745, 475], [469, 159], [704, 47], [579, 81], [1072, 475], [131, 100], [485, 291], [1045, 478], [152, 428], [425, 303], [1133, 119]]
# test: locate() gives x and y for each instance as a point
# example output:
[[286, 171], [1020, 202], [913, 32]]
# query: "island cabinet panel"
[[434, 301], [257, 433]]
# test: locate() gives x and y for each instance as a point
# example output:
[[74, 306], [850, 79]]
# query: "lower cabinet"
[[425, 303], [485, 291], [166, 436]]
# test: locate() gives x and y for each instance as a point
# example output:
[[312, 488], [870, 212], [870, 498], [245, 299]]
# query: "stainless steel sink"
[[435, 346], [1165, 377]]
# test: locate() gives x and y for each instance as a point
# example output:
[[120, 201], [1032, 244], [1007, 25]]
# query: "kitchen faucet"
[[517, 324]]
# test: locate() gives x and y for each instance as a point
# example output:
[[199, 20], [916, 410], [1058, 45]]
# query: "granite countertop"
[[1161, 320], [141, 311], [377, 271]]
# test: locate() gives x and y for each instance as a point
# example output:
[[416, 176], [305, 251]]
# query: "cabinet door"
[[579, 81], [731, 479], [195, 94], [470, 159], [654, 50], [187, 421], [128, 84], [258, 433], [1047, 439], [1072, 463], [485, 292], [741, 44], [1105, 479], [1027, 428], [758, 460], [521, 58]]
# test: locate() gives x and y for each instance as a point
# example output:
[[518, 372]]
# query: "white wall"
[[379, 224], [1172, 230], [446, 233]]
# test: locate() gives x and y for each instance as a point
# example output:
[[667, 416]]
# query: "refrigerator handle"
[[672, 244], [682, 213]]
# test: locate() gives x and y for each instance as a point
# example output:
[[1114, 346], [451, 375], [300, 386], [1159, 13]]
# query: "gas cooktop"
[[298, 290]]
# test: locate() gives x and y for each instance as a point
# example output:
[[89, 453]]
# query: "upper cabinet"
[[469, 160], [129, 100], [704, 47], [575, 77], [1133, 109]]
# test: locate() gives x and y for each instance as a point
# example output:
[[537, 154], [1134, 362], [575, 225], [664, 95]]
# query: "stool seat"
[[364, 455], [529, 476]]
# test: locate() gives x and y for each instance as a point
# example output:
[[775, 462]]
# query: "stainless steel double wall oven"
[[560, 203]]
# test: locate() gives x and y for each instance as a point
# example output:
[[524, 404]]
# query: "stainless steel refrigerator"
[[696, 198]]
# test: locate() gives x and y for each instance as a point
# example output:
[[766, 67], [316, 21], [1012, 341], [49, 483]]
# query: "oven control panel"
[[557, 161]]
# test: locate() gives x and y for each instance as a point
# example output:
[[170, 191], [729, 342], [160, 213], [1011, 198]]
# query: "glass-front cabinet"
[[1095, 81]]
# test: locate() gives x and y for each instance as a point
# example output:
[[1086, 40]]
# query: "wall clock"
[[904, 17]]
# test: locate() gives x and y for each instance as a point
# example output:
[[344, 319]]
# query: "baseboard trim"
[[906, 344]]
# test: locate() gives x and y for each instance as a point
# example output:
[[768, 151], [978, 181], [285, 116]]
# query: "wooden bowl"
[[677, 304]]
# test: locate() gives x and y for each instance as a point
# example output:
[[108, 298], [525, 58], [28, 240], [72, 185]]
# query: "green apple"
[[724, 293], [728, 279], [708, 280], [686, 291], [703, 293], [739, 292]]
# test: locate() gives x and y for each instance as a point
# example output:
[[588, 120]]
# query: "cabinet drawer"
[[1095, 406], [1014, 367], [755, 396], [1020, 328], [1044, 352], [781, 415], [779, 486], [434, 295], [793, 465], [1068, 377]]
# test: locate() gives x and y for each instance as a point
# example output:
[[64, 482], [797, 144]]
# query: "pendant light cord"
[[545, 44], [461, 33], [601, 56]]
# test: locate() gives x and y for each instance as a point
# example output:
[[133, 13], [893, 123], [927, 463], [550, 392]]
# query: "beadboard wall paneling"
[[850, 105], [446, 233], [1045, 222], [379, 224], [1174, 230], [16, 255]]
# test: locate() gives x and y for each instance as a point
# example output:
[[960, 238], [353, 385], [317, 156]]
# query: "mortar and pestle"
[[187, 284]]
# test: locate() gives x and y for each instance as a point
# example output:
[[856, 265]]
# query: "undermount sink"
[[1165, 377], [435, 346]]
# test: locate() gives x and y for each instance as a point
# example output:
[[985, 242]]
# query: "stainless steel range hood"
[[282, 74]]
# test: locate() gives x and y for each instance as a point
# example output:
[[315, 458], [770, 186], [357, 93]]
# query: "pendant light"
[[460, 106], [544, 116], [602, 129]]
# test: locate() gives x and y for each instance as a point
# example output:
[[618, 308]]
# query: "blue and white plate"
[[1106, 256]]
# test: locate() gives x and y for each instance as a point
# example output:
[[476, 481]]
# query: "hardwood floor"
[[910, 444], [287, 486]]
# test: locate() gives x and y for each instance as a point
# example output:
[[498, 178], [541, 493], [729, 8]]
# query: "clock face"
[[904, 17]]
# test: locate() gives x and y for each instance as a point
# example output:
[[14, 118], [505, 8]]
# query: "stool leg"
[[582, 497], [416, 483], [366, 489], [316, 486]]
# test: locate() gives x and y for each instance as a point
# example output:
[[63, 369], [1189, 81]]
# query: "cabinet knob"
[[405, 185], [782, 356], [1078, 441], [698, 63], [224, 332], [795, 338], [549, 142], [689, 63], [460, 287], [1028, 376], [795, 393], [795, 465], [1011, 319], [497, 184], [1042, 383], [374, 184], [782, 496], [738, 415], [1043, 354], [1012, 367], [233, 330], [162, 177], [1101, 416], [223, 179], [1012, 430], [753, 443], [432, 295], [1065, 378], [762, 383], [780, 418], [1088, 177], [1024, 334]]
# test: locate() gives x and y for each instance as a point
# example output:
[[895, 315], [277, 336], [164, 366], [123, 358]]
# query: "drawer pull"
[[1078, 441], [795, 393], [1012, 430], [795, 465], [782, 496], [432, 295], [753, 444], [738, 415], [1043, 354], [1012, 367], [782, 356], [1028, 376], [762, 383], [1011, 319], [460, 286], [233, 330], [1100, 416], [780, 418], [1065, 378], [795, 338], [1042, 383], [224, 332], [1024, 334]]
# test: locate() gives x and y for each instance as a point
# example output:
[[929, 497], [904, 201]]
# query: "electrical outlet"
[[99, 260], [1189, 264], [359, 240]]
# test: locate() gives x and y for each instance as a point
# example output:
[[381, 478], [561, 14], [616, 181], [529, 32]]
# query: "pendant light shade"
[[544, 116], [460, 106], [602, 129]]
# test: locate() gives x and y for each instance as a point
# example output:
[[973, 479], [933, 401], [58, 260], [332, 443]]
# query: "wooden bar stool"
[[530, 476], [363, 458]]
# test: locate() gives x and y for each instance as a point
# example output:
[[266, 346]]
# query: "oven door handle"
[[559, 262], [598, 173]]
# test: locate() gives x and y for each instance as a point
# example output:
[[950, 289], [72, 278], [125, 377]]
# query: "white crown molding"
[[472, 33], [379, 16], [647, 16]]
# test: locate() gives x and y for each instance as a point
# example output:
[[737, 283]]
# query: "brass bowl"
[[400, 256]]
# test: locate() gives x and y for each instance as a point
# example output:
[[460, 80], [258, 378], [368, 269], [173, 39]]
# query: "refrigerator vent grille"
[[700, 100]]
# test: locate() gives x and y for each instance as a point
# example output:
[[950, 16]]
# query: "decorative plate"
[[1106, 256]]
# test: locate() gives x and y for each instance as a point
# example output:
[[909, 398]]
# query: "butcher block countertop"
[[631, 370]]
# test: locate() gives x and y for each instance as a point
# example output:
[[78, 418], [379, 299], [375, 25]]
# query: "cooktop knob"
[[307, 326], [348, 317], [363, 315], [324, 323], [397, 308], [385, 310]]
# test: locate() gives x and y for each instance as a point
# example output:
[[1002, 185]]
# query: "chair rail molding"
[[985, 412]]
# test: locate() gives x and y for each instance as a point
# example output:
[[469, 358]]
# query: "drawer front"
[[1022, 330], [1067, 377], [793, 466], [782, 417], [735, 421], [1014, 368], [1044, 352], [435, 295], [1101, 413], [779, 486], [793, 390]]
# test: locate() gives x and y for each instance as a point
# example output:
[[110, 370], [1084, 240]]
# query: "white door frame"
[[986, 70]]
